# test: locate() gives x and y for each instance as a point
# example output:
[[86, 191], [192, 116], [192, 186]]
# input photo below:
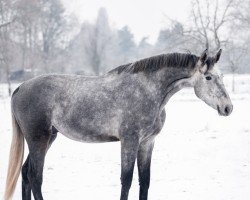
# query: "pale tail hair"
[[15, 159]]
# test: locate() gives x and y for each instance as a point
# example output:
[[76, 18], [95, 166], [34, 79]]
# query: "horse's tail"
[[15, 159]]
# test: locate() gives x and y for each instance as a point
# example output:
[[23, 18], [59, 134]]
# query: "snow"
[[198, 155]]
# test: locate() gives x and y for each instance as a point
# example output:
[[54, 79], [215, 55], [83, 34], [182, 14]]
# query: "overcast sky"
[[144, 17]]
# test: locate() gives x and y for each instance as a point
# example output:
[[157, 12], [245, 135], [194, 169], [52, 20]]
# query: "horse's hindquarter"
[[33, 102]]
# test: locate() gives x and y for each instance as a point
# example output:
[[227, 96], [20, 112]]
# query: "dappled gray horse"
[[126, 105]]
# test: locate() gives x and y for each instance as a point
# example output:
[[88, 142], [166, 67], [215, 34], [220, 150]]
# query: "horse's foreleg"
[[129, 150], [144, 162]]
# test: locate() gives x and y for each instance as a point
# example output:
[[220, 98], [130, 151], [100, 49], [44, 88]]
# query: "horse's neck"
[[167, 83], [160, 85]]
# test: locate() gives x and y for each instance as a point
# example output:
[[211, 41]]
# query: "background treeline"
[[38, 37]]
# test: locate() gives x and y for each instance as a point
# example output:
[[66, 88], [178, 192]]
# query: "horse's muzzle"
[[225, 110]]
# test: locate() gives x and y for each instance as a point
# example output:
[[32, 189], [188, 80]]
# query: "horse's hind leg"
[[32, 170], [26, 189], [35, 171]]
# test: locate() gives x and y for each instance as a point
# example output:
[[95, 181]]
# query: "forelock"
[[210, 63]]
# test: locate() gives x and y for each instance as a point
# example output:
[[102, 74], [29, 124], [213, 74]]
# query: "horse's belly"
[[90, 137], [88, 134]]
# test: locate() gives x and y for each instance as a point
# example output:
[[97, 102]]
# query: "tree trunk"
[[9, 87], [233, 82], [8, 79]]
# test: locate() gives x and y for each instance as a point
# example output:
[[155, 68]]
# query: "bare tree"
[[41, 28], [125, 45], [234, 56], [173, 38], [7, 17], [241, 15], [209, 20], [27, 30], [93, 43]]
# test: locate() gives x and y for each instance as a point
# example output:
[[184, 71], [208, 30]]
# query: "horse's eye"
[[208, 78]]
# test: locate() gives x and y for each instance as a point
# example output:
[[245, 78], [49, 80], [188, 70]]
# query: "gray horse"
[[126, 105]]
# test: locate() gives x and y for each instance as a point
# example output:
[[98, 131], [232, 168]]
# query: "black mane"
[[154, 63]]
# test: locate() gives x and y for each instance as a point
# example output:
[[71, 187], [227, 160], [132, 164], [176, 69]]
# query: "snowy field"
[[198, 155]]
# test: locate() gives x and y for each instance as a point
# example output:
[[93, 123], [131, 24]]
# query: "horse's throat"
[[173, 87]]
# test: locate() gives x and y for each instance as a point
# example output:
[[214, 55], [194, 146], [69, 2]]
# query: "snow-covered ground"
[[198, 155]]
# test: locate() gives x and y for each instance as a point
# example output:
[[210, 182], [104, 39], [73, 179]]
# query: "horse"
[[126, 104]]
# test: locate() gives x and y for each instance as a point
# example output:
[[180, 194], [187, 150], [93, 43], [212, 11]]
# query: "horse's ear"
[[203, 57], [217, 56], [202, 61]]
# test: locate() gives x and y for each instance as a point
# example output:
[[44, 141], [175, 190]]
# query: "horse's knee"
[[126, 179]]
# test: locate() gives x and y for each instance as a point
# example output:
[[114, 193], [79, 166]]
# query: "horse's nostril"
[[227, 110]]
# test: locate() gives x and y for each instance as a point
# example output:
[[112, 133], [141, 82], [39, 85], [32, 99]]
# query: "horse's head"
[[208, 84]]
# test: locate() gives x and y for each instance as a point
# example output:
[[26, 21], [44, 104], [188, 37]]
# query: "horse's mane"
[[154, 63]]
